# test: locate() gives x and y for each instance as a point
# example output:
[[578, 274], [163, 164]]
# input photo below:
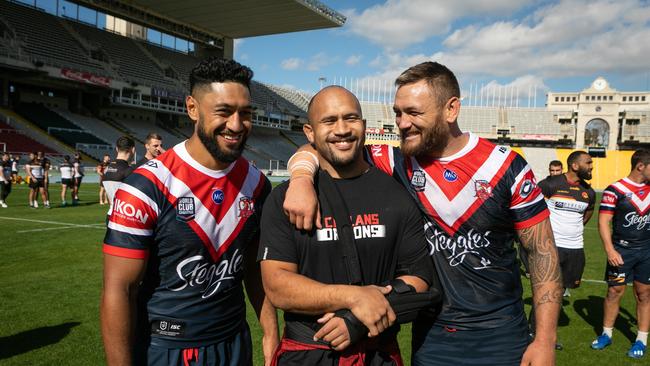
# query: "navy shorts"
[[36, 183], [236, 351], [636, 267], [438, 345], [67, 181]]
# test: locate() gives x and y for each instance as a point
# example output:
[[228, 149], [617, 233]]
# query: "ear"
[[452, 109], [192, 106], [309, 132]]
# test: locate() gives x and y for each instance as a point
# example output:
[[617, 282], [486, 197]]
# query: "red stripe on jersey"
[[172, 200], [381, 157], [230, 184], [533, 220], [476, 203], [131, 211], [435, 169], [242, 221], [125, 252], [606, 211]]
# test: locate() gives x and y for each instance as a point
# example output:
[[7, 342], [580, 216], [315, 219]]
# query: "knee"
[[643, 295], [614, 293]]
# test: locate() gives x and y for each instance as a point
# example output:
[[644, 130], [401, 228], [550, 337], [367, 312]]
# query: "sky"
[[514, 50]]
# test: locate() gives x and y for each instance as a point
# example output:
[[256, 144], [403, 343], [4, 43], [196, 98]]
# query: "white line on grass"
[[68, 224], [57, 228]]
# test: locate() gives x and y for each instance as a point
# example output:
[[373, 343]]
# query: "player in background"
[[67, 178], [14, 169], [47, 165], [120, 168], [554, 168], [472, 191], [34, 171], [303, 272], [182, 238], [153, 146], [624, 227], [77, 177], [100, 169], [5, 179]]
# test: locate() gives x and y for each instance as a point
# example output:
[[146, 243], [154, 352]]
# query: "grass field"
[[50, 282]]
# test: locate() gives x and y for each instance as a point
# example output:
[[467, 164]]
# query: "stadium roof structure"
[[224, 18]]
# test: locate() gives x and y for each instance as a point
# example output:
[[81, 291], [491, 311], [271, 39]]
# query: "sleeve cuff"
[[125, 252], [533, 220]]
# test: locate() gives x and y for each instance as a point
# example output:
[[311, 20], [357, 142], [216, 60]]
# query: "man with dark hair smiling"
[[183, 235]]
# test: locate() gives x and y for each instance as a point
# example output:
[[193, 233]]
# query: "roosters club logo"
[[246, 207], [483, 189]]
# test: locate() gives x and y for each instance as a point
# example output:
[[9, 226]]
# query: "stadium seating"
[[95, 126], [377, 115], [268, 100], [534, 122], [299, 99], [480, 120], [181, 63], [131, 63], [46, 40], [17, 142]]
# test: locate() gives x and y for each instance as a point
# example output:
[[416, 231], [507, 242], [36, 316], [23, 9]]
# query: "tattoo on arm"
[[544, 264]]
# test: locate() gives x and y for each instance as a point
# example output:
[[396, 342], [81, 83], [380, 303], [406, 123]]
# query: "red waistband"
[[354, 355]]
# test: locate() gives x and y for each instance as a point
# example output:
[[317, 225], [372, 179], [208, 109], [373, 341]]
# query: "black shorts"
[[67, 181], [77, 181], [435, 345], [36, 183], [636, 267], [572, 265]]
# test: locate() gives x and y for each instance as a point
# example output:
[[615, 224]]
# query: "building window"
[[562, 99], [611, 97], [636, 99], [557, 99], [573, 99], [643, 98], [625, 99]]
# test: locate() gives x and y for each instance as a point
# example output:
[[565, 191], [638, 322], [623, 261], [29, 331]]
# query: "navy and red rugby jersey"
[[193, 225], [474, 201], [629, 202]]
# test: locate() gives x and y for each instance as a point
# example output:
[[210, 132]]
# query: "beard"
[[584, 174], [434, 138], [223, 155]]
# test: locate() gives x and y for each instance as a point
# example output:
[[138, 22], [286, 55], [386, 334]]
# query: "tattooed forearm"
[[544, 265]]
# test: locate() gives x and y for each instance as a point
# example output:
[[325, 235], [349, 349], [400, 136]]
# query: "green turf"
[[50, 284]]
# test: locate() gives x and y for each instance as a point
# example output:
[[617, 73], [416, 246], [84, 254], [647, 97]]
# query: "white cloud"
[[567, 38], [399, 23], [318, 61], [519, 92], [353, 60], [291, 63]]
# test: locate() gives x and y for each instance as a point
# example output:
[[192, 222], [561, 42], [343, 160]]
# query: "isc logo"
[[128, 210]]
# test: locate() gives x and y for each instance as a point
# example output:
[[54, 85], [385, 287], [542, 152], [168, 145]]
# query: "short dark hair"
[[124, 144], [441, 80], [640, 156], [152, 136], [574, 157], [215, 69], [66, 158], [555, 163]]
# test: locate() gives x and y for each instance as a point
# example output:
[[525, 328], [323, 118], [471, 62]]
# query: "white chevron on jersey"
[[451, 210], [217, 232], [641, 205]]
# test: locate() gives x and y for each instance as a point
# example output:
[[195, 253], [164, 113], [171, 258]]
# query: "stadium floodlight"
[[322, 80]]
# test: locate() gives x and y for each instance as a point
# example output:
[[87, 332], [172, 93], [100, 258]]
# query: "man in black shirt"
[[303, 272], [5, 179], [118, 169]]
